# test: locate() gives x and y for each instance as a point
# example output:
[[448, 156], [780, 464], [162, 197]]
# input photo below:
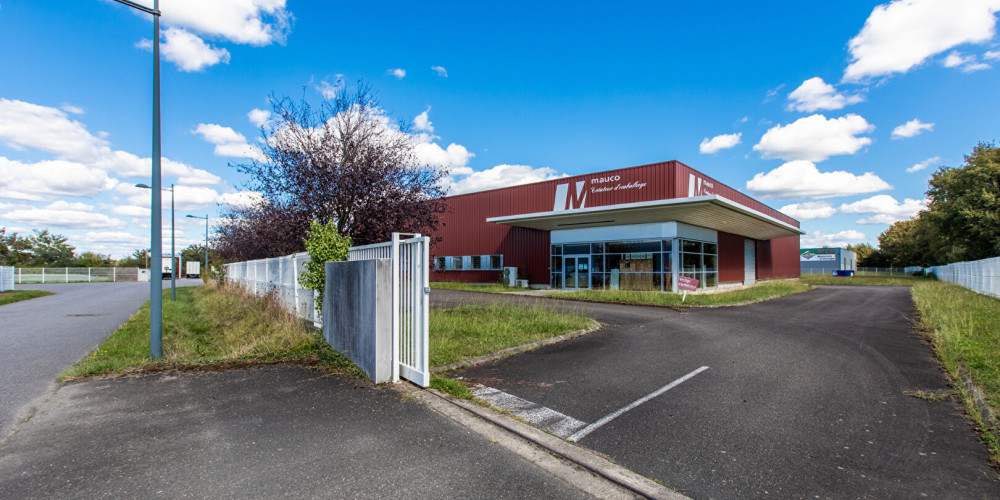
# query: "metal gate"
[[410, 306]]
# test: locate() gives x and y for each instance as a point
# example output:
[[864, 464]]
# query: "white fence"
[[410, 302], [6, 278], [23, 275], [280, 275], [982, 276]]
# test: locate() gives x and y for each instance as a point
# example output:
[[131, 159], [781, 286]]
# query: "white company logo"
[[698, 186], [565, 200]]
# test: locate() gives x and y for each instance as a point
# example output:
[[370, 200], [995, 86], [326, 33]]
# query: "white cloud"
[[69, 108], [924, 164], [719, 142], [131, 211], [241, 198], [885, 209], [252, 22], [992, 55], [815, 138], [814, 94], [258, 116], [440, 71], [397, 72], [49, 179], [228, 142], [30, 126], [801, 179], [967, 63], [809, 210], [26, 125], [329, 90], [902, 34], [63, 215], [187, 50], [819, 239], [911, 128], [499, 176], [185, 197], [771, 94], [422, 122], [455, 157]]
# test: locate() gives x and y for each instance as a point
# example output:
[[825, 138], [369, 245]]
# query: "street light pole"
[[155, 229], [173, 250], [206, 238]]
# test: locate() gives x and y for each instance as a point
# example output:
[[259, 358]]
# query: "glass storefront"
[[633, 265]]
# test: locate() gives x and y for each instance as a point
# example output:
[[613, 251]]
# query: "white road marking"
[[538, 415], [580, 434]]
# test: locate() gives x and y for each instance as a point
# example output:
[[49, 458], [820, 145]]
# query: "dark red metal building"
[[632, 228]]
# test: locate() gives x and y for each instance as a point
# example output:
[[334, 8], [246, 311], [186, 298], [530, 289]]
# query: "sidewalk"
[[266, 432]]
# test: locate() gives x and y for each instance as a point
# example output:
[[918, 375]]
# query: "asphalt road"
[[805, 396], [277, 432], [41, 337]]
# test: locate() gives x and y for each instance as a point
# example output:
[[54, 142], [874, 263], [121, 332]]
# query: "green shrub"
[[324, 244]]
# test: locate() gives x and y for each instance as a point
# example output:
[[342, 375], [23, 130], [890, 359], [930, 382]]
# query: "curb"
[[636, 484], [510, 351]]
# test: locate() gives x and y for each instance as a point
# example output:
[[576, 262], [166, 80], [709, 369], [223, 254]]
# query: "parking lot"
[[804, 396]]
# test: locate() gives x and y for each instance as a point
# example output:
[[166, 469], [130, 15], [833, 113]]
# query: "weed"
[[451, 386], [756, 293], [12, 296], [471, 287], [928, 395]]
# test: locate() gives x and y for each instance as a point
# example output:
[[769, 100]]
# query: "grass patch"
[[467, 331], [964, 328], [12, 296], [761, 291], [928, 395], [826, 279], [212, 324], [452, 387], [472, 287]]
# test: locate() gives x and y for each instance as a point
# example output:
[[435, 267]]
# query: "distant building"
[[638, 228], [827, 260]]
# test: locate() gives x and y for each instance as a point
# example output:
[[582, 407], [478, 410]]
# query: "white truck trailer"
[[168, 266], [193, 269]]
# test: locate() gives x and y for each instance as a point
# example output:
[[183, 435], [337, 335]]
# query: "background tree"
[[868, 256], [196, 253], [964, 208], [344, 162], [138, 258], [91, 259], [910, 243], [15, 250]]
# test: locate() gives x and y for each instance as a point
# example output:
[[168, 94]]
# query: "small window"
[[556, 249], [439, 264]]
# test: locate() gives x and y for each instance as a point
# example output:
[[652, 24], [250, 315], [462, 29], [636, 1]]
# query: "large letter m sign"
[[566, 200]]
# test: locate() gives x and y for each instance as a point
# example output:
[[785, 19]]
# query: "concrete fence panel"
[[357, 314]]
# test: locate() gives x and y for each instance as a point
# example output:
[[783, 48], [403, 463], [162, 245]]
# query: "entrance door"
[[576, 272], [749, 261]]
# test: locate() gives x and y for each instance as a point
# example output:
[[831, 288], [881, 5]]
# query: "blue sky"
[[835, 112]]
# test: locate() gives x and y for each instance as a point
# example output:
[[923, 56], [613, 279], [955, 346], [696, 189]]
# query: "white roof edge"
[[646, 204]]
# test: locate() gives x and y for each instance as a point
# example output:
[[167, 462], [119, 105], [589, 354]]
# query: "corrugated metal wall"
[[731, 261], [778, 258]]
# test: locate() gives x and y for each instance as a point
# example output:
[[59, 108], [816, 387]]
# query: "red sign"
[[685, 283]]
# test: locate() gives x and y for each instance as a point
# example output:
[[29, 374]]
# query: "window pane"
[[556, 280], [597, 281], [668, 282], [596, 248], [657, 262], [668, 262], [467, 262], [637, 281], [711, 279], [613, 262], [476, 262], [557, 263], [711, 262], [692, 262], [578, 248], [637, 262], [711, 248], [633, 246], [667, 245], [556, 249], [691, 246], [597, 263], [496, 261]]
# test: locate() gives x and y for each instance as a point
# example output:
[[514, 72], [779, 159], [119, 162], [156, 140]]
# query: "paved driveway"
[[804, 396], [39, 338]]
